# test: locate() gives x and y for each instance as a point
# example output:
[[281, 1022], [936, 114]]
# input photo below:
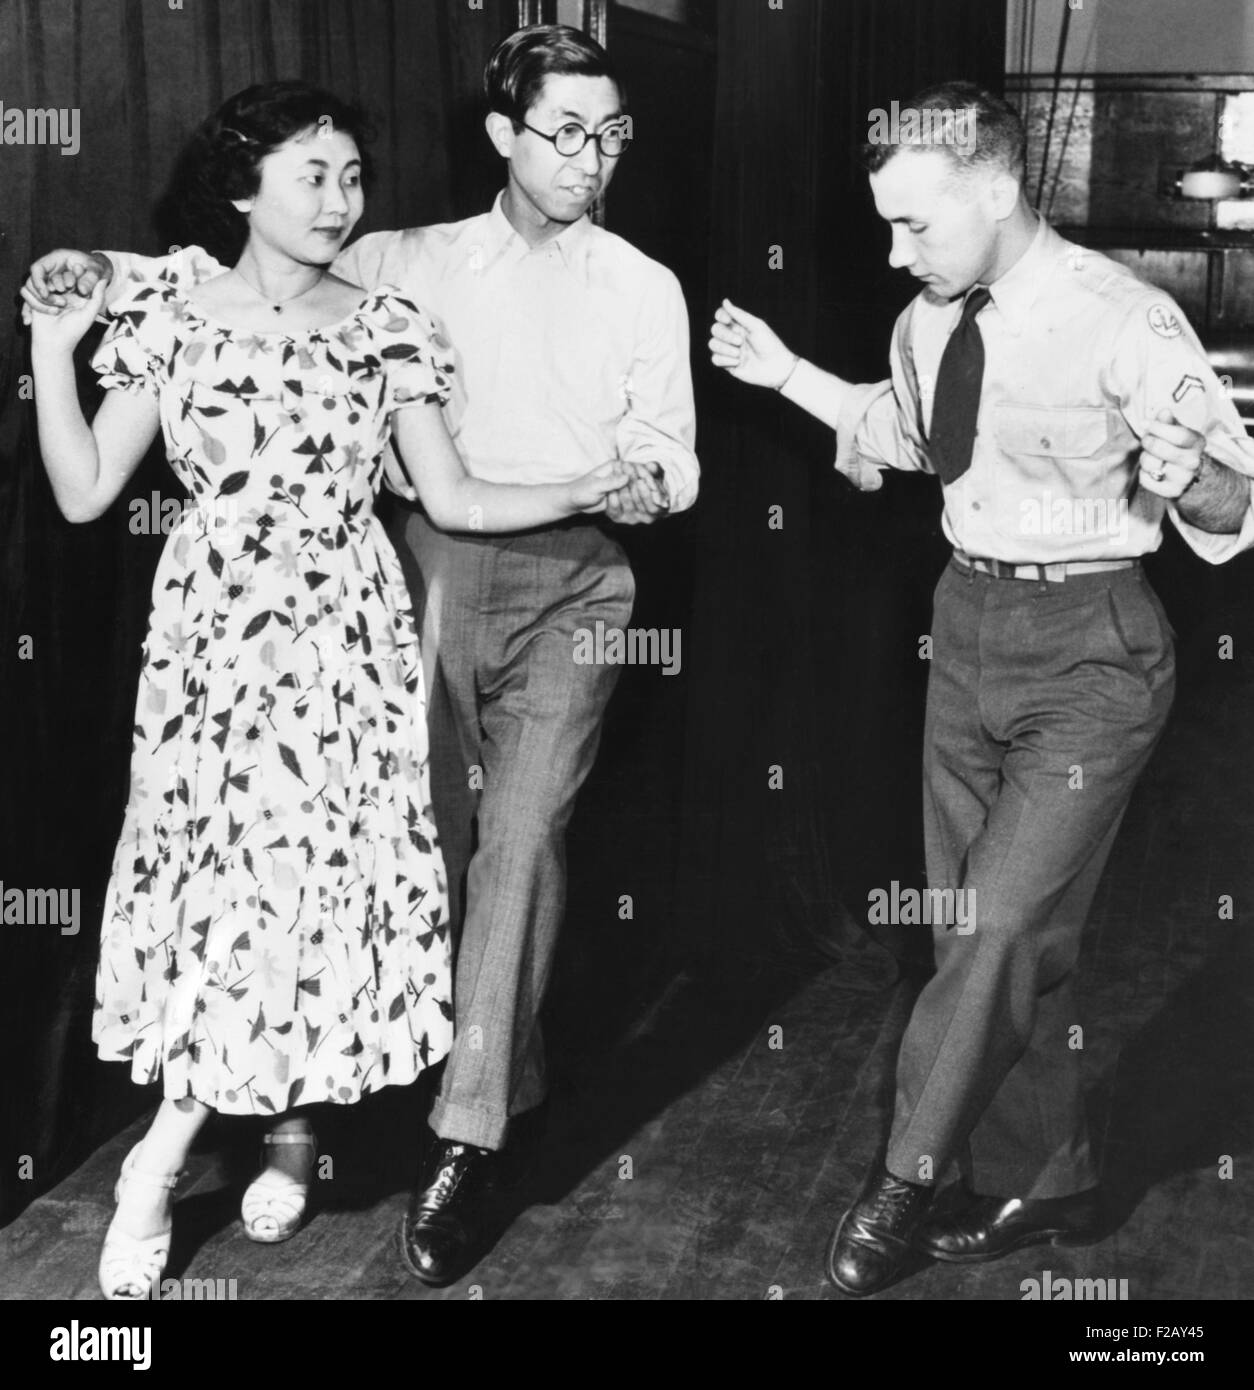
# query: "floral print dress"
[[276, 928]]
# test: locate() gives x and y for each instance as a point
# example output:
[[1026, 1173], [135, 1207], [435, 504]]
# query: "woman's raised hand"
[[55, 278], [62, 331]]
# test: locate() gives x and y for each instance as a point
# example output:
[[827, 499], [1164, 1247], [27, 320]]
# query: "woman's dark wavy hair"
[[223, 158]]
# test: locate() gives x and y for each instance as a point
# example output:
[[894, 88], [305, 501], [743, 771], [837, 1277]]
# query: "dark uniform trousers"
[[1045, 701]]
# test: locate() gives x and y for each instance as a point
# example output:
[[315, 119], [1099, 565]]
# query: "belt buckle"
[[1038, 571], [1033, 571]]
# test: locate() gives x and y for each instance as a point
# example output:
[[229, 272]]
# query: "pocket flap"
[[1054, 433]]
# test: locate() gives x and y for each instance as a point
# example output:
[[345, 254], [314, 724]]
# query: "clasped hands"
[[640, 500]]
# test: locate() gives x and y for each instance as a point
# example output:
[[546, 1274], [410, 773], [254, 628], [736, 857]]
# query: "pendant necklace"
[[278, 305]]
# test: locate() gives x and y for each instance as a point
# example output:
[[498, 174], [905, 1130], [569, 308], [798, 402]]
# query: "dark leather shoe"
[[987, 1228], [871, 1248], [445, 1217]]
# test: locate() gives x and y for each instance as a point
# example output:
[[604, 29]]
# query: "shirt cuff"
[[1233, 449], [681, 487], [1215, 546], [115, 284], [861, 472]]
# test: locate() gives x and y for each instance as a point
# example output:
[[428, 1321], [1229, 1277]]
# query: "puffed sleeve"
[[134, 353], [416, 357]]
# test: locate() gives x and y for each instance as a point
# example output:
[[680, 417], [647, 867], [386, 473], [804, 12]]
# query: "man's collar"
[[1015, 292], [571, 242]]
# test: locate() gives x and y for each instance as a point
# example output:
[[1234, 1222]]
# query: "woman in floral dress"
[[275, 929]]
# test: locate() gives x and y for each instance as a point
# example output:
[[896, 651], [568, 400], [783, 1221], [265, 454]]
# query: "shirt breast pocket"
[[1066, 434]]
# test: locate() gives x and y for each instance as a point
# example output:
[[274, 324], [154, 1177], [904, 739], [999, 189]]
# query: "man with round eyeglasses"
[[570, 345], [570, 140]]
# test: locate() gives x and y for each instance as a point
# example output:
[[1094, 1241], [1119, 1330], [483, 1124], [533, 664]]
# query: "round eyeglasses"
[[570, 139]]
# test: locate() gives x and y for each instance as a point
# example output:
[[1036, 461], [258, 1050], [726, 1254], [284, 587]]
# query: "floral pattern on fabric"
[[276, 927]]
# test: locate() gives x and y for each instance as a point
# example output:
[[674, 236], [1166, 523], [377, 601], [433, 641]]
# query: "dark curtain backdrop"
[[142, 75], [805, 639]]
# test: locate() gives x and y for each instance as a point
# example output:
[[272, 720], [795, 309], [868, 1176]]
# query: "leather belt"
[[1056, 573]]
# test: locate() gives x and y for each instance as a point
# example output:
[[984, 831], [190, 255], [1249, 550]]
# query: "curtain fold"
[[805, 714]]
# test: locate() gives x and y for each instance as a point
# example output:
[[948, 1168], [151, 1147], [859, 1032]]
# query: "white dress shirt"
[[565, 355]]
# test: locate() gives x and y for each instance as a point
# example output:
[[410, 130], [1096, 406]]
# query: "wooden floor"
[[694, 1160]]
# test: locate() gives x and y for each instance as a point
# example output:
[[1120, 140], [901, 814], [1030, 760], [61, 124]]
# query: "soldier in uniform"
[[1067, 408]]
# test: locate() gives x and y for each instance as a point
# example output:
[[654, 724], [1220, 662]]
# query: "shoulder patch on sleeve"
[[1163, 320]]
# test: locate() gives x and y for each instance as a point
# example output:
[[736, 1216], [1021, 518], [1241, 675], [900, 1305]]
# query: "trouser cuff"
[[460, 1124]]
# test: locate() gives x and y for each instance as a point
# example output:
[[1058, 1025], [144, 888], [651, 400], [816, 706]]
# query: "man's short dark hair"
[[998, 139], [516, 71]]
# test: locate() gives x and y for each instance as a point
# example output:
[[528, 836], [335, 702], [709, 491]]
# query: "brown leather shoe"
[[440, 1231], [871, 1247], [986, 1228]]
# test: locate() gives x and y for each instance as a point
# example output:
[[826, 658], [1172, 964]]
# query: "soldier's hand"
[[1171, 454], [748, 347]]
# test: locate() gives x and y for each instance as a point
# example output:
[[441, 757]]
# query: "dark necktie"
[[957, 401]]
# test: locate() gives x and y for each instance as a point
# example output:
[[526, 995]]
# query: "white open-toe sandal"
[[274, 1204], [129, 1268]]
